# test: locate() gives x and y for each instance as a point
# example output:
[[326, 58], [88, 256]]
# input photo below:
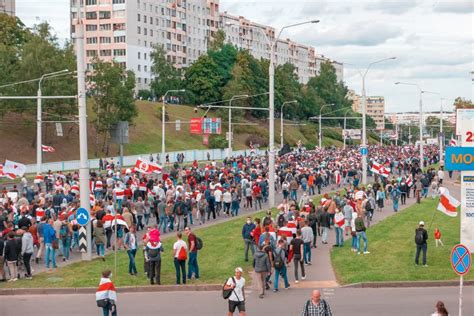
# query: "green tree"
[[167, 77], [203, 80], [217, 41], [225, 59], [433, 126], [287, 88], [461, 103], [112, 89]]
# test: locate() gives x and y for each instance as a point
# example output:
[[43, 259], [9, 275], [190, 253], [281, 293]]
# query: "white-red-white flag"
[[48, 149], [147, 167], [448, 204], [15, 168], [409, 182], [38, 179], [376, 167], [6, 175], [339, 219], [385, 172], [453, 142]]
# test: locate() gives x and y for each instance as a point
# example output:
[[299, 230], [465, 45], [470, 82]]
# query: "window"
[[105, 27], [144, 43], [91, 27], [91, 15], [123, 64], [145, 68], [104, 15], [105, 40], [146, 80], [91, 40], [139, 55], [118, 1], [151, 32], [119, 39], [105, 52], [119, 26], [119, 14], [91, 2], [91, 53], [144, 19], [119, 52], [139, 30], [145, 31], [139, 68], [139, 80], [144, 56]]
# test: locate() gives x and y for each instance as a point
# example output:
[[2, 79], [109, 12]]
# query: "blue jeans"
[[100, 249], [163, 224], [119, 203], [293, 195], [193, 265], [65, 245], [235, 208], [339, 236], [324, 237], [281, 271], [180, 267], [132, 268], [106, 311], [424, 192], [147, 218], [75, 239], [307, 252], [420, 248], [50, 255], [190, 218], [354, 242], [364, 237]]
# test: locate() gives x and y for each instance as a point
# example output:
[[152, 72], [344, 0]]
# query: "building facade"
[[375, 107], [7, 7], [413, 118], [127, 31]]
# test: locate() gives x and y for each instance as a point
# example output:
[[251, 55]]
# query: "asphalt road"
[[343, 301]]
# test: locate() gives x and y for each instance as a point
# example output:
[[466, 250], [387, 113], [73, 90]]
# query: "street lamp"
[[163, 117], [344, 135], [421, 118], [281, 120], [320, 130], [39, 136], [440, 136], [364, 115], [229, 142]]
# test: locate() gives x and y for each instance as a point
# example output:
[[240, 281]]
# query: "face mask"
[[248, 222]]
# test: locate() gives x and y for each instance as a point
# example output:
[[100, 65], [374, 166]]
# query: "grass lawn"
[[392, 249], [222, 252]]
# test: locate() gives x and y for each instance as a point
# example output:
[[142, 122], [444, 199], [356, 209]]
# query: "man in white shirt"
[[237, 298], [441, 175], [307, 237], [218, 197]]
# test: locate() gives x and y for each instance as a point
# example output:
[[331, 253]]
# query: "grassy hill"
[[19, 134]]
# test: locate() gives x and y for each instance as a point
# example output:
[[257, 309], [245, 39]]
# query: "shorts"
[[233, 304]]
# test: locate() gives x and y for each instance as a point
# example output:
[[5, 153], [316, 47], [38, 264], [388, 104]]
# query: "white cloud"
[[392, 6], [455, 6]]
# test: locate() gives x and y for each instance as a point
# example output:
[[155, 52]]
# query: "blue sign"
[[82, 216], [459, 158], [364, 151], [461, 259]]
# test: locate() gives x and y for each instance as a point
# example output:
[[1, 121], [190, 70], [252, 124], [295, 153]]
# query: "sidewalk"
[[321, 274]]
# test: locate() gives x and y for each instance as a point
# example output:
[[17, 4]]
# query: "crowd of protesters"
[[130, 209]]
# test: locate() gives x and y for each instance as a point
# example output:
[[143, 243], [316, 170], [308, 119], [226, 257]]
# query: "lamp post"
[[281, 120], [229, 141], [344, 135], [320, 130], [421, 118], [364, 116], [163, 118], [440, 136]]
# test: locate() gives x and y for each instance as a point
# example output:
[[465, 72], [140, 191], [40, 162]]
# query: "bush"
[[217, 141], [256, 140], [145, 95], [309, 146]]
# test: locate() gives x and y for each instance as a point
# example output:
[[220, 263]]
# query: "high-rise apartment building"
[[375, 107], [8, 7], [127, 30]]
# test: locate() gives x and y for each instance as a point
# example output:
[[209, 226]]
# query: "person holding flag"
[[106, 295]]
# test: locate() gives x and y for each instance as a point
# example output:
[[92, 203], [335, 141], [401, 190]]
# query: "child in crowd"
[[437, 236]]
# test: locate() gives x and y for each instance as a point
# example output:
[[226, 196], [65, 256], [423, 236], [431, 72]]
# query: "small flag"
[[453, 142], [448, 204], [47, 149]]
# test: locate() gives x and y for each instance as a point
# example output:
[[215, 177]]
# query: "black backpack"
[[281, 220], [419, 239], [227, 293], [179, 209], [199, 243], [278, 262]]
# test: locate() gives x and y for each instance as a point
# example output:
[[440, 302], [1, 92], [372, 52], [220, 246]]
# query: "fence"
[[189, 156]]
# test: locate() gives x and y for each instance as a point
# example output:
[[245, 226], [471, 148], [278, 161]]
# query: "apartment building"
[[375, 107], [414, 117], [7, 7], [245, 34]]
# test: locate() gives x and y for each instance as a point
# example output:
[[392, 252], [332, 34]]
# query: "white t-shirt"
[[218, 195], [441, 174], [178, 245], [237, 294]]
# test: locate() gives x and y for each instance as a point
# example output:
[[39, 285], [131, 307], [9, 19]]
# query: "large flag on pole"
[[447, 204], [48, 149], [147, 167]]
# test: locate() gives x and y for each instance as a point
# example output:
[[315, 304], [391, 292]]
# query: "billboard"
[[195, 125], [211, 125], [352, 133]]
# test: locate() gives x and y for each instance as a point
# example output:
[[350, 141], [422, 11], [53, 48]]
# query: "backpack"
[[63, 231], [281, 220], [179, 209], [227, 293], [153, 253], [278, 262], [182, 254], [199, 243], [368, 207], [419, 239]]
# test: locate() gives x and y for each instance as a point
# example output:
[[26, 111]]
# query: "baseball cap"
[[239, 269], [421, 223]]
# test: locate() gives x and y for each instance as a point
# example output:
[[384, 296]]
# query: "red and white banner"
[[106, 290], [47, 149], [38, 179], [453, 142], [409, 182], [339, 219], [146, 167], [15, 168], [6, 175], [448, 204], [380, 169]]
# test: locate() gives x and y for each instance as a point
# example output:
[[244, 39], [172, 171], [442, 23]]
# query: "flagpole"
[[432, 218]]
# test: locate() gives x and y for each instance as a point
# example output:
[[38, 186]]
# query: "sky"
[[432, 41]]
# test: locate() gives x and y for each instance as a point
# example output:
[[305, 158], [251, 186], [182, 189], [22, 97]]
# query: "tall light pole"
[[440, 136], [39, 135], [281, 120], [163, 118], [421, 119], [229, 141], [320, 130], [344, 135], [364, 116]]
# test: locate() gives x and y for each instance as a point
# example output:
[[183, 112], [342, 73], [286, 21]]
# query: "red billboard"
[[195, 125]]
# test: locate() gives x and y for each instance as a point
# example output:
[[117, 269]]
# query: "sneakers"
[[29, 278], [366, 252], [288, 287], [303, 277], [275, 290], [358, 252], [296, 281], [425, 266]]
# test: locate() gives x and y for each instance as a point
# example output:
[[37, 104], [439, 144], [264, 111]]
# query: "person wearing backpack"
[[153, 252], [316, 306], [279, 263], [247, 230], [179, 211], [235, 289], [193, 251], [65, 234], [180, 255], [421, 236]]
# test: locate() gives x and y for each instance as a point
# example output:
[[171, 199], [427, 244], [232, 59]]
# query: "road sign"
[[82, 239], [461, 259], [82, 216], [459, 158], [364, 151], [178, 125], [59, 129]]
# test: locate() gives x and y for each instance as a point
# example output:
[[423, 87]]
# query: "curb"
[[125, 289], [404, 284]]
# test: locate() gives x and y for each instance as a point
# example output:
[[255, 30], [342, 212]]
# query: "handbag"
[[55, 244], [103, 303]]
